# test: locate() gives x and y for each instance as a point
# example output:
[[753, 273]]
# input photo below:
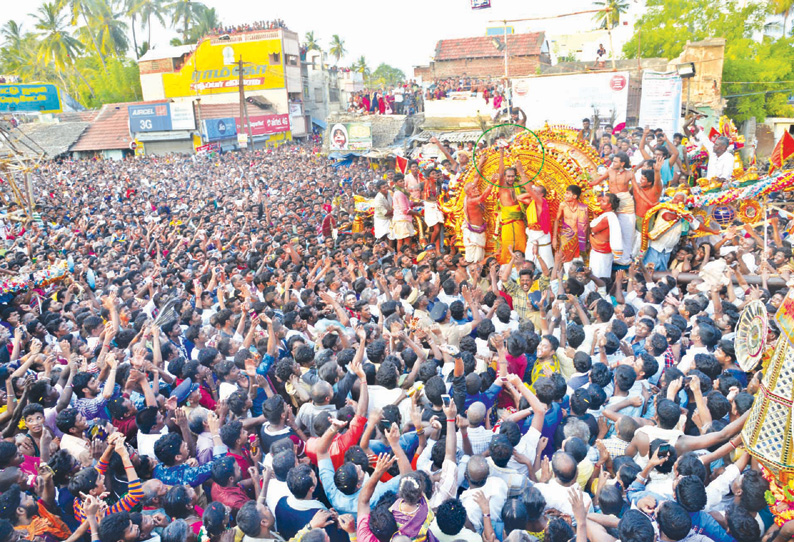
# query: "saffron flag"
[[783, 151], [401, 164]]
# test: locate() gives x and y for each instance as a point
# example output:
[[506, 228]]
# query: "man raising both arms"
[[619, 183], [513, 232], [538, 220]]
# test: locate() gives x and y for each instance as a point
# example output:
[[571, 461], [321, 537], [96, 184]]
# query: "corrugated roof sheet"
[[54, 139], [483, 47], [167, 51]]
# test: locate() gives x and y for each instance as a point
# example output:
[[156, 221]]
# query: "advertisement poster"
[[264, 124], [218, 129], [480, 4], [161, 117], [567, 99], [42, 98], [353, 136], [660, 105]]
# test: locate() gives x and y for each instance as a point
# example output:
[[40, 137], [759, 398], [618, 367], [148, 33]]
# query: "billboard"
[[567, 99], [264, 124], [660, 105], [213, 68], [351, 136], [217, 129], [40, 98], [161, 117]]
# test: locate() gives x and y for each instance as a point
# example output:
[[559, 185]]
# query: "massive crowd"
[[230, 358]]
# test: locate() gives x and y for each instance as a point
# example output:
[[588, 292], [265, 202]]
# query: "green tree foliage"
[[616, 9], [337, 49], [385, 76], [668, 24]]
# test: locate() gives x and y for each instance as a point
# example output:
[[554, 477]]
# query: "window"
[[275, 58], [291, 60], [318, 95], [333, 95]]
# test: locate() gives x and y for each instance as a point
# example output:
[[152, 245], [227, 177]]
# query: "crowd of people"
[[248, 27], [404, 99], [229, 357]]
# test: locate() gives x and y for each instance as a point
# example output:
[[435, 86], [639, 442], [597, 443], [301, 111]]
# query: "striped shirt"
[[125, 504]]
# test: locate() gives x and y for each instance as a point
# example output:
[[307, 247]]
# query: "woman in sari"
[[411, 510], [547, 362]]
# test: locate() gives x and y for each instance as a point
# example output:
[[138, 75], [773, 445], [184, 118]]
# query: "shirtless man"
[[572, 216], [605, 241], [513, 232], [619, 184], [647, 192], [474, 220], [538, 221]]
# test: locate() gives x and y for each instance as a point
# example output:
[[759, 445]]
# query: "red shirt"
[[515, 366], [340, 444], [245, 461], [127, 427], [234, 497]]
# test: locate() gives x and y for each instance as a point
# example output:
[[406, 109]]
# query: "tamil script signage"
[[39, 98], [351, 136], [161, 117], [218, 129], [660, 106], [265, 124]]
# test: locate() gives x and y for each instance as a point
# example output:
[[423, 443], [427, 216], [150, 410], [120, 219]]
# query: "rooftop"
[[528, 44], [53, 139], [109, 129], [168, 51]]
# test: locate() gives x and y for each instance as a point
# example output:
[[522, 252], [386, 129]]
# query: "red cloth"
[[245, 461], [127, 427], [782, 152], [234, 497], [515, 366], [340, 444], [206, 398]]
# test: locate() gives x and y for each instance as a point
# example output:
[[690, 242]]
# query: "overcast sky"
[[401, 33]]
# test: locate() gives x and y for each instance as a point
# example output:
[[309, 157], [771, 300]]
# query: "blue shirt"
[[348, 504], [184, 475]]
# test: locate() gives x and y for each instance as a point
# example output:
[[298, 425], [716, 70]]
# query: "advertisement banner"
[[352, 136], [218, 129], [149, 118], [41, 98], [567, 99], [213, 67], [660, 105], [264, 124], [182, 116], [480, 4]]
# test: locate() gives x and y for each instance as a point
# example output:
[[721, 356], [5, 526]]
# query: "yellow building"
[[209, 73]]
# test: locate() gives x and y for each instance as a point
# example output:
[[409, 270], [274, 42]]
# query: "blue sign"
[[41, 98], [218, 129], [149, 118]]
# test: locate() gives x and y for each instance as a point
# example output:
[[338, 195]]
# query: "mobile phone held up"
[[446, 399]]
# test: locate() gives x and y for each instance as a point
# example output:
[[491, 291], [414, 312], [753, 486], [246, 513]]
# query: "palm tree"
[[18, 53], [312, 43], [206, 21], [132, 9], [784, 8], [337, 49], [613, 9], [107, 25], [143, 49], [361, 67], [56, 45], [81, 8], [149, 9], [185, 12]]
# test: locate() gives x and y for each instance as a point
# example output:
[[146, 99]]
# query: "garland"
[[41, 279], [677, 208], [779, 498]]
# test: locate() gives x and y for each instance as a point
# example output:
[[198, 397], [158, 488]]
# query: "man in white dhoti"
[[606, 241], [383, 211]]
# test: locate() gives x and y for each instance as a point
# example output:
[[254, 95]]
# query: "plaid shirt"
[[522, 303], [669, 358]]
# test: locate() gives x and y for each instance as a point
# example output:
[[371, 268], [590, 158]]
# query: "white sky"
[[402, 33]]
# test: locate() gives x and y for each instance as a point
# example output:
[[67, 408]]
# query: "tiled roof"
[[223, 111], [483, 47], [109, 130]]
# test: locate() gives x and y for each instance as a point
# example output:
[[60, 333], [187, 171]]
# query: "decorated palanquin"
[[558, 153], [768, 436]]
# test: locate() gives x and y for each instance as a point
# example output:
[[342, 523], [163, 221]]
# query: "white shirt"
[[146, 442], [556, 496], [687, 363], [275, 490], [495, 490], [719, 166]]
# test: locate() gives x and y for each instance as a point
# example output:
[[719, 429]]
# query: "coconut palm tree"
[[613, 9], [149, 9], [18, 53], [107, 26], [206, 21], [78, 9], [56, 45], [185, 12], [312, 43], [337, 49], [784, 8]]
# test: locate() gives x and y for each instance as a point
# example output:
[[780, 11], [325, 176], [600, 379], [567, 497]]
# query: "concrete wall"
[[152, 87], [706, 86]]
